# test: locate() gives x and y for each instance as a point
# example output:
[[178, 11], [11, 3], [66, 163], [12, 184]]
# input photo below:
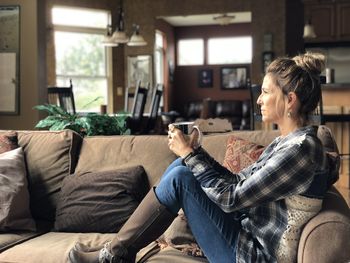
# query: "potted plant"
[[86, 125]]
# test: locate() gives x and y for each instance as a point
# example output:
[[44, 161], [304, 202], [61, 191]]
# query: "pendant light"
[[136, 39], [309, 30], [108, 41], [119, 36]]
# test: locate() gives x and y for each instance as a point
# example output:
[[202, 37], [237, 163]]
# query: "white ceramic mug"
[[187, 127]]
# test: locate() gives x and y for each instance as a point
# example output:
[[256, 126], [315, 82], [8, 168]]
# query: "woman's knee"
[[180, 176]]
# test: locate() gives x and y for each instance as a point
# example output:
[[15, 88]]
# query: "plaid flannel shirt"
[[290, 165]]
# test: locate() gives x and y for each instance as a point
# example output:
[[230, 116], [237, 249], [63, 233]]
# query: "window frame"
[[108, 69]]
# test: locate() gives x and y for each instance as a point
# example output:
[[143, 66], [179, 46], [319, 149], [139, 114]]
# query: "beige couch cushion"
[[52, 247], [102, 153], [50, 156]]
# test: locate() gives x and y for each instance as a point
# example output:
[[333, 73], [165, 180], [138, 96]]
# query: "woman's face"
[[271, 101]]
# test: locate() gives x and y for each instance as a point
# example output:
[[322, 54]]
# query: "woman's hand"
[[177, 142]]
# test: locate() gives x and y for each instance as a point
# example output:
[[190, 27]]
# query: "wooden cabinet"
[[330, 18], [343, 21]]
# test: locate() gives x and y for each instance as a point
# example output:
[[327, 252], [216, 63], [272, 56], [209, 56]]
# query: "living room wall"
[[32, 73]]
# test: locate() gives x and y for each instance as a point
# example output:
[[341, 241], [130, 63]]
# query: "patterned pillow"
[[8, 142], [241, 153]]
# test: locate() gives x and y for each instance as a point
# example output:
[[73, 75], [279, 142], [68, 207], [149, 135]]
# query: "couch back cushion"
[[103, 153], [49, 156]]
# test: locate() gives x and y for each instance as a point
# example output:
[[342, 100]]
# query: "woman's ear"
[[292, 99]]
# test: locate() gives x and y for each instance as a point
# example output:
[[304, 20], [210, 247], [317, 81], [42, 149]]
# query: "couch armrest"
[[326, 237]]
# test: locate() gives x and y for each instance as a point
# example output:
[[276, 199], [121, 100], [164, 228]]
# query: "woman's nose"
[[258, 101]]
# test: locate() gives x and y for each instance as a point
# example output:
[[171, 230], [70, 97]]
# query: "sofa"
[[51, 159]]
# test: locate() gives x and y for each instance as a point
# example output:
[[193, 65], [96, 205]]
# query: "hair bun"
[[311, 62]]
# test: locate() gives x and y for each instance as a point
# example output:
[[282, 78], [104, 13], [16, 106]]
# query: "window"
[[190, 52], [159, 58], [230, 50], [80, 56], [159, 55]]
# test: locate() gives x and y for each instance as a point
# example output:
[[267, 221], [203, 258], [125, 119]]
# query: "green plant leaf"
[[90, 124]]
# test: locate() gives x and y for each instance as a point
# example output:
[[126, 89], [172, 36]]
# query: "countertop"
[[337, 86]]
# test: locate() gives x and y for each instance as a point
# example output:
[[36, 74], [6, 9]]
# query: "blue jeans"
[[215, 231]]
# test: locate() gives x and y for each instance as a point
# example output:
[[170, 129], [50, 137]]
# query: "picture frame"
[[234, 77], [267, 58], [139, 68], [205, 78]]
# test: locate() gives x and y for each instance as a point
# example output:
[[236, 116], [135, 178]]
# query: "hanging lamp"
[[309, 30]]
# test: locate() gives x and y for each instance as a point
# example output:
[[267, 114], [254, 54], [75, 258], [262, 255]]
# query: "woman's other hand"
[[178, 143]]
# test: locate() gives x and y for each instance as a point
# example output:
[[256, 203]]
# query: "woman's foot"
[[85, 248], [77, 256], [81, 253]]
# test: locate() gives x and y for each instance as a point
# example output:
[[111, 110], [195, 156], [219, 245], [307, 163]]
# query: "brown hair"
[[300, 74]]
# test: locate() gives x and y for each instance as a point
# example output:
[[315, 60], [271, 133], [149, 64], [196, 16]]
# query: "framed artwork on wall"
[[267, 58], [234, 77], [205, 78], [139, 68]]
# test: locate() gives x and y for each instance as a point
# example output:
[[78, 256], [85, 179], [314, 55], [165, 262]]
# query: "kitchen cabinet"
[[343, 21], [330, 18]]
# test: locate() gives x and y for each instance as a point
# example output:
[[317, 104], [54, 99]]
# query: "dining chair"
[[138, 107], [154, 108], [63, 97], [256, 116], [128, 99]]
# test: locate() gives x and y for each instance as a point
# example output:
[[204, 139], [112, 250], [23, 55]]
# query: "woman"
[[255, 215]]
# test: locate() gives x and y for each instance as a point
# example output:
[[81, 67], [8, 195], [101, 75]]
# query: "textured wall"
[[29, 86]]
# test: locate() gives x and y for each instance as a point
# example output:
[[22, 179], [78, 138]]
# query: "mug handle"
[[200, 135]]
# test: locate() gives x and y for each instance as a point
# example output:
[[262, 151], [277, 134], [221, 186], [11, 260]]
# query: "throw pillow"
[[8, 142], [14, 199], [241, 153], [100, 202]]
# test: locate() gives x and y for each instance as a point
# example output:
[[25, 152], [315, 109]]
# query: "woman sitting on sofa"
[[255, 215]]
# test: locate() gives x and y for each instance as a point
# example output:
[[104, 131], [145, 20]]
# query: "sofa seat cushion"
[[8, 240], [152, 254], [52, 247], [50, 156], [100, 201]]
